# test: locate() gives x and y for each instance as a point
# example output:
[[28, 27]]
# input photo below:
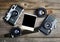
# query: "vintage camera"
[[13, 14], [48, 24]]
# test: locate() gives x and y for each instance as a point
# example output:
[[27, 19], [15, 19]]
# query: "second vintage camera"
[[48, 24]]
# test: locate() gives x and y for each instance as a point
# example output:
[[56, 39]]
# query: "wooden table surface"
[[52, 6]]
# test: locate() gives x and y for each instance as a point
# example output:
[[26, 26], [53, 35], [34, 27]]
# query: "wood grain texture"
[[29, 5], [30, 40], [52, 6], [8, 0]]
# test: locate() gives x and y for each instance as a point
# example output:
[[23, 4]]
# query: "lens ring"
[[41, 12], [15, 31], [14, 13], [48, 25]]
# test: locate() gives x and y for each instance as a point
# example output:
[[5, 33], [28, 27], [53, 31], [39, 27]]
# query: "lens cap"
[[41, 12], [16, 31]]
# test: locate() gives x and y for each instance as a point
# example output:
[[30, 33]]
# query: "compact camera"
[[13, 14], [48, 24]]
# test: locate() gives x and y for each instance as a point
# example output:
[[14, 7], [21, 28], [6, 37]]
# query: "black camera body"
[[48, 24], [13, 14]]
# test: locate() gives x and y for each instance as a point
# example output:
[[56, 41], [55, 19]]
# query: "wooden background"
[[52, 6]]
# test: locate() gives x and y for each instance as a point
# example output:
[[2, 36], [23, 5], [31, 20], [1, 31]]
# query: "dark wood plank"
[[30, 40], [8, 0], [29, 5]]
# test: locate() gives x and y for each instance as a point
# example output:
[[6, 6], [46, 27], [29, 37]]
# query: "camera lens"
[[41, 12], [14, 13], [47, 25], [15, 31]]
